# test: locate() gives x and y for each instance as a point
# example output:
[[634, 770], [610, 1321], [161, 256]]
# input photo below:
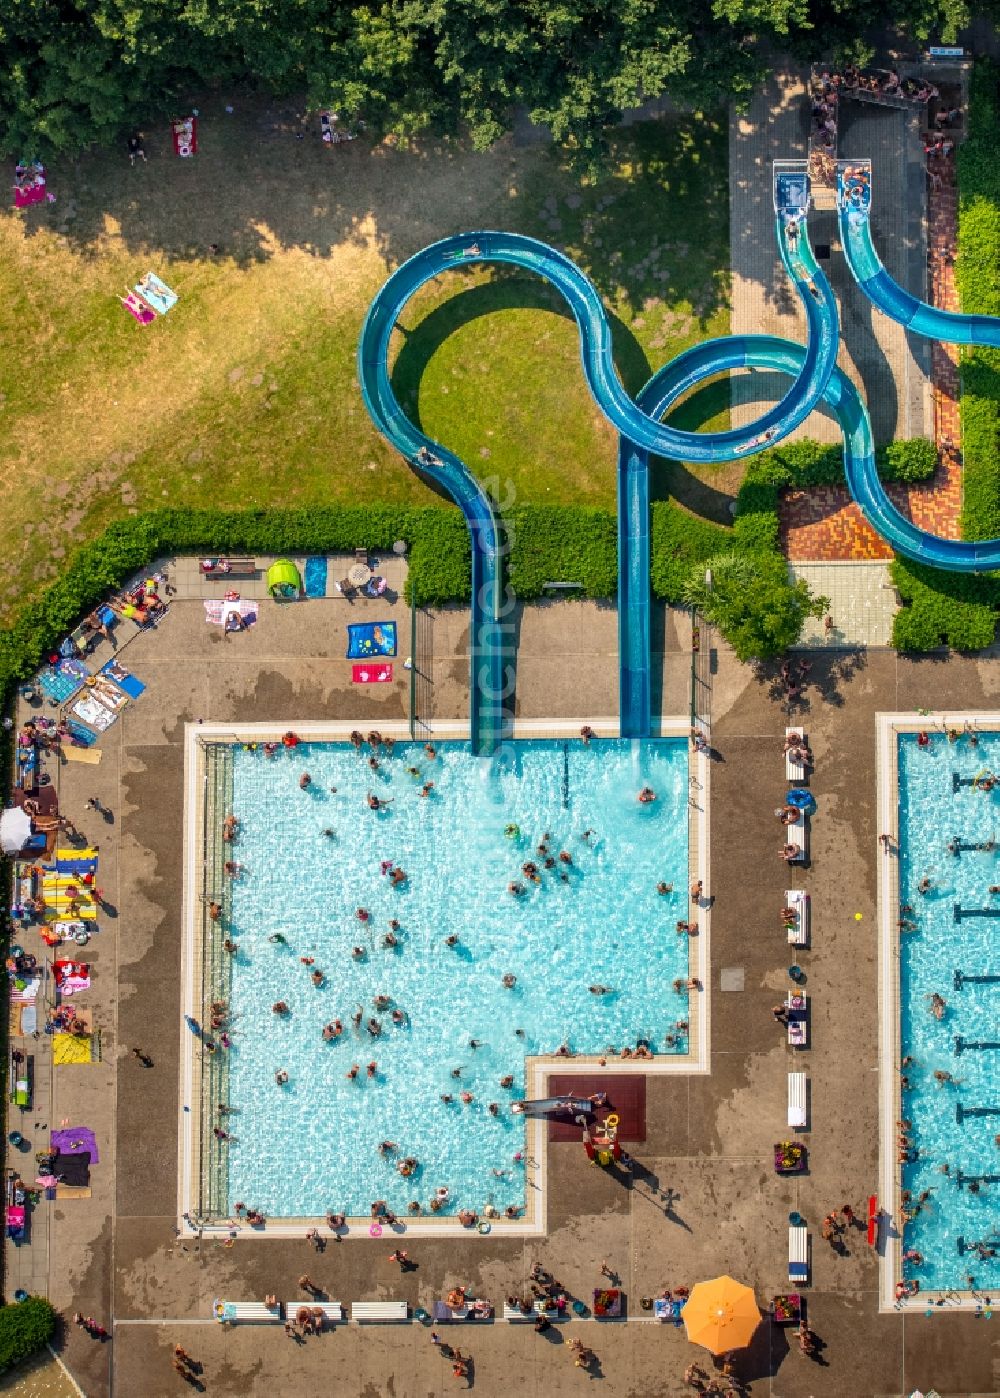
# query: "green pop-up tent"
[[283, 579]]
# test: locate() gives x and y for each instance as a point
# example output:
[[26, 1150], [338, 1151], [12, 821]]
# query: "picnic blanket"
[[217, 611], [72, 1048], [91, 755], [367, 638], [371, 674], [92, 711], [29, 187], [185, 135], [138, 309], [125, 679], [75, 1140], [152, 289], [76, 861], [71, 976], [61, 681], [314, 577], [27, 991]]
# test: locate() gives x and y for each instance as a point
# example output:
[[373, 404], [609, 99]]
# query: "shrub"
[[754, 602], [24, 1328], [562, 543], [678, 542], [943, 609]]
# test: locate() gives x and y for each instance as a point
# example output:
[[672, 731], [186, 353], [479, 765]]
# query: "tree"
[[753, 601], [24, 1328]]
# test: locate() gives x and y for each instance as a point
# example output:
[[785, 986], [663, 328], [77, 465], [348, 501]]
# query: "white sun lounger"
[[796, 1099], [798, 1021], [379, 1310], [798, 834], [798, 1253], [254, 1312], [515, 1313], [332, 1310], [798, 933], [794, 771]]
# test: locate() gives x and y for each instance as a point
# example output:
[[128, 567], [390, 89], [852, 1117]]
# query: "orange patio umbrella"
[[721, 1315]]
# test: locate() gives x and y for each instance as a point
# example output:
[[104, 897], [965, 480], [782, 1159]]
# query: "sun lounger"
[[798, 834], [798, 932], [515, 1313], [798, 1253], [796, 1099], [251, 1312], [379, 1310], [798, 1020], [332, 1310], [795, 771]]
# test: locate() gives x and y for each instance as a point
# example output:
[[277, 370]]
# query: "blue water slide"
[[847, 406], [854, 193], [491, 671]]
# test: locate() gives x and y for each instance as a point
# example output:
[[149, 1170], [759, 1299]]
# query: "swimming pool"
[[954, 1121], [596, 919]]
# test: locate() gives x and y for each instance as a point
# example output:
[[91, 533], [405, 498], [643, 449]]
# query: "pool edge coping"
[[537, 1070]]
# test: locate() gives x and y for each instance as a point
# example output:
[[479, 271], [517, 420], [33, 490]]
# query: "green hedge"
[[547, 544], [954, 609], [24, 1328]]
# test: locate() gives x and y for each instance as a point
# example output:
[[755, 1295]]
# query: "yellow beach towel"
[[91, 755], [71, 1048]]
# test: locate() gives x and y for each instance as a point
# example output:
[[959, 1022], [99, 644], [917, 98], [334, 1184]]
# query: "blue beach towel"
[[157, 293], [315, 577], [123, 678], [79, 734], [371, 638]]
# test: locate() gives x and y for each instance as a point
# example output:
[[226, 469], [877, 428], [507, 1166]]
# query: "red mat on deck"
[[626, 1096]]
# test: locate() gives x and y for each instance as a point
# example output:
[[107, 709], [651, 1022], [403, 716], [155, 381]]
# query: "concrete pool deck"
[[709, 1138]]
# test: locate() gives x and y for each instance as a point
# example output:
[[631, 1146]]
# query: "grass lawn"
[[245, 394]]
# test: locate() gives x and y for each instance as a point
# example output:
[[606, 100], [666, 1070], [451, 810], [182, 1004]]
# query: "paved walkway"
[[862, 605]]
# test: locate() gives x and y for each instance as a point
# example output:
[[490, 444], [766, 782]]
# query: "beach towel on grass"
[[156, 292], [314, 577], [138, 309], [371, 638], [371, 674]]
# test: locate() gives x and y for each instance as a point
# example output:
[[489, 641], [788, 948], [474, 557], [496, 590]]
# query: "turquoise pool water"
[[312, 1145], [954, 1123]]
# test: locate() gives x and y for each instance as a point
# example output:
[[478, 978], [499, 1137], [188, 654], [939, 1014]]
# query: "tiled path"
[[825, 523], [862, 605]]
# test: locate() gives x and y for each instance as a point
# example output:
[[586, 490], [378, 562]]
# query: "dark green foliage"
[[73, 74], [24, 1328], [562, 543], [956, 609], [943, 609], [679, 542], [753, 601]]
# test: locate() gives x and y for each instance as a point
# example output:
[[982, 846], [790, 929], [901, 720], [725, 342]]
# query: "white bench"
[[798, 1254], [379, 1310], [798, 834], [798, 933], [795, 771], [254, 1312], [797, 1099], [798, 1020], [515, 1313], [332, 1310]]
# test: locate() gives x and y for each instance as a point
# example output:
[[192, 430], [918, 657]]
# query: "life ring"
[[375, 1230], [82, 937], [512, 831], [183, 149], [484, 1227], [611, 1120]]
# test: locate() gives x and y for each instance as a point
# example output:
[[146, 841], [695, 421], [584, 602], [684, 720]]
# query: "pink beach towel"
[[371, 674], [138, 309]]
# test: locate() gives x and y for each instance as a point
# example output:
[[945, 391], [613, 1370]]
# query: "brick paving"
[[824, 524]]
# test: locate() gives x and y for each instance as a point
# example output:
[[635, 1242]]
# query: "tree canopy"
[[76, 72], [753, 601]]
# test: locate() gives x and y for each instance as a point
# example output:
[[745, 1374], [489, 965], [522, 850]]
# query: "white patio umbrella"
[[15, 829]]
